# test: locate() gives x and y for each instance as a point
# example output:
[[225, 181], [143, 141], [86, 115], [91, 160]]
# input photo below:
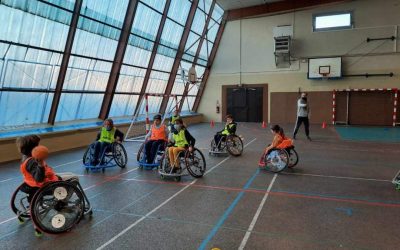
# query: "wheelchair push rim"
[[276, 161], [195, 163], [119, 154], [234, 145], [58, 207]]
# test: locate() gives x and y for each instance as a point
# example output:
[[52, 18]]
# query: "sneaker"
[[309, 138], [294, 137], [261, 164]]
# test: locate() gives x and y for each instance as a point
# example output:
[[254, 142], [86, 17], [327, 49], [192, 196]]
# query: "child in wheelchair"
[[229, 129], [179, 141], [107, 135], [156, 138], [34, 168], [280, 141]]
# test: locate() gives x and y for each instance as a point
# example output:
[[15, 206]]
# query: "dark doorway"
[[245, 103]]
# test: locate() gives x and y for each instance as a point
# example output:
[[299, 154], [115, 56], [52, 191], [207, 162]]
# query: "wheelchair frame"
[[396, 180], [62, 191], [108, 159], [165, 169], [141, 155], [225, 149]]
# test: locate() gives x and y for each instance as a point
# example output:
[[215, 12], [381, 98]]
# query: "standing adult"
[[303, 111]]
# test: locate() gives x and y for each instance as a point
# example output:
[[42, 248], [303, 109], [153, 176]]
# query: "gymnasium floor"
[[339, 196]]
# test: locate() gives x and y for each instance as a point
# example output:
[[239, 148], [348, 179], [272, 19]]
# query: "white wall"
[[372, 18]]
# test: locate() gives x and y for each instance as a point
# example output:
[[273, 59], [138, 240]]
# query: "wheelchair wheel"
[[234, 145], [195, 163], [87, 156], [119, 154], [213, 145], [277, 160], [140, 155], [293, 157], [20, 204], [57, 207]]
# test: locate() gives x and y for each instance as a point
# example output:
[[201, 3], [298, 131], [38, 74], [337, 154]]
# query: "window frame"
[[315, 16]]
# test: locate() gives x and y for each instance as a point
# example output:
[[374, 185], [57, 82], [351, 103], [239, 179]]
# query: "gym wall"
[[372, 18]]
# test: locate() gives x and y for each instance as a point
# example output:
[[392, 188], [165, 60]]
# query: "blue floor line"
[[227, 212]]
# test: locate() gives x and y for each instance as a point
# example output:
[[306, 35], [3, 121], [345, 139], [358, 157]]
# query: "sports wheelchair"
[[278, 159], [231, 144], [112, 156], [54, 208], [194, 162], [141, 157]]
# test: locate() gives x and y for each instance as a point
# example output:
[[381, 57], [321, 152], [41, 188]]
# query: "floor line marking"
[[339, 177], [257, 214], [162, 204]]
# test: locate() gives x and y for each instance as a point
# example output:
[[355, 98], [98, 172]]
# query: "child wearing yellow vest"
[[180, 140]]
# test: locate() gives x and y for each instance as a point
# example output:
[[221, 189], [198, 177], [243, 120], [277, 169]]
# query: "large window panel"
[[217, 13], [123, 105], [188, 103], [130, 80], [205, 5], [164, 59], [204, 51], [111, 12], [154, 103], [199, 22], [87, 74], [157, 82], [171, 35], [179, 10], [139, 54], [79, 106], [192, 44], [212, 30], [156, 4], [146, 22], [16, 108], [179, 86], [34, 23]]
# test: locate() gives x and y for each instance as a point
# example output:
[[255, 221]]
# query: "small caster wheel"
[[103, 170], [91, 213], [177, 179], [162, 176], [398, 187], [38, 233], [87, 170], [141, 167], [20, 220]]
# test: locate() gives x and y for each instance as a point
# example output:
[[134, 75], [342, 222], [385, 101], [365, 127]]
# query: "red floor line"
[[315, 197]]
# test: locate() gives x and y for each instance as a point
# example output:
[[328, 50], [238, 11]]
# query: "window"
[[333, 21]]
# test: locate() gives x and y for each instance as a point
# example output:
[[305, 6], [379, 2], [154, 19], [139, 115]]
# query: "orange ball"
[[40, 152]]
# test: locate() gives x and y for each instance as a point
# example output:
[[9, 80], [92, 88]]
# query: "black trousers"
[[99, 149], [299, 121], [151, 149], [217, 138]]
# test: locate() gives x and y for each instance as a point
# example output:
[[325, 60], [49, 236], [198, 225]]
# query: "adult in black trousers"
[[303, 111]]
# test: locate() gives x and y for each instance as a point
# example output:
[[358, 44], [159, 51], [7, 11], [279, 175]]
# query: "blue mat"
[[375, 134]]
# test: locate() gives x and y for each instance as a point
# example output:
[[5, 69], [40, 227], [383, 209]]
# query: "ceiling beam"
[[276, 7]]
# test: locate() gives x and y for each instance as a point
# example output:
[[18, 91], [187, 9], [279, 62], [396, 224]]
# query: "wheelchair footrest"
[[396, 179]]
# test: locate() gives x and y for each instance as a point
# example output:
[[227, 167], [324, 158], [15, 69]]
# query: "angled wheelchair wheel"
[[195, 163], [119, 154], [87, 156], [57, 207], [234, 145], [20, 203], [293, 157], [140, 155], [277, 160]]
